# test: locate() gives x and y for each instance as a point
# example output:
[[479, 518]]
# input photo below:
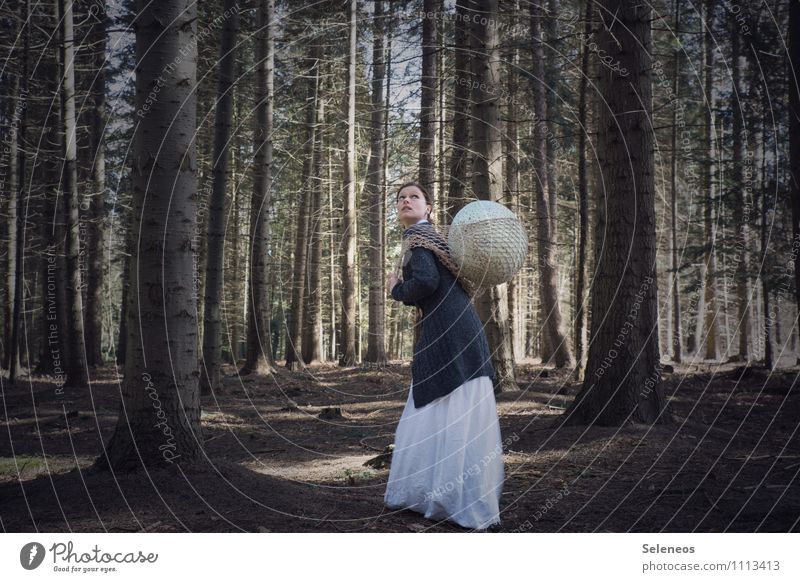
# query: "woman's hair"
[[421, 188]]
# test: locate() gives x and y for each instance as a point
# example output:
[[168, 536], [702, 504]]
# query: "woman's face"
[[411, 206]]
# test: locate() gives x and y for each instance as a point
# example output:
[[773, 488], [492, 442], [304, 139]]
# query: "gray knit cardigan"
[[452, 346]]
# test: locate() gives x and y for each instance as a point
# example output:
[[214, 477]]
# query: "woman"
[[448, 460]]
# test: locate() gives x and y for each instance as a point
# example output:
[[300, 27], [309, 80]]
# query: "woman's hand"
[[391, 281]]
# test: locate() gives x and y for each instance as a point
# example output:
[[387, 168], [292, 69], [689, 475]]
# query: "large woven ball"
[[488, 243]]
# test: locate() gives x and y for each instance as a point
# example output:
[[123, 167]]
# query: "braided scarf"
[[427, 236]]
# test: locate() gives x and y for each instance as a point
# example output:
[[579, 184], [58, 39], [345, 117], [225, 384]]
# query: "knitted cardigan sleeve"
[[423, 281]]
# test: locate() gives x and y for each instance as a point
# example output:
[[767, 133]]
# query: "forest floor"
[[278, 461]]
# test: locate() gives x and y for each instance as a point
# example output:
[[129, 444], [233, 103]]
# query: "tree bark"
[[159, 417], [623, 373]]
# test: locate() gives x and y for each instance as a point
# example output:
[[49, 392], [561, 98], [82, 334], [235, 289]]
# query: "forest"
[[198, 217]]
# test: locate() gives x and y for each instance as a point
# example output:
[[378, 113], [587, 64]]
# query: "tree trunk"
[[741, 209], [460, 158], [348, 337], [623, 373], [710, 256], [332, 260], [376, 345], [552, 334], [122, 336], [294, 357], [676, 295], [551, 73], [312, 321], [17, 178], [511, 192], [11, 309], [385, 169], [793, 72], [159, 417], [765, 230], [442, 81], [97, 231], [76, 359], [237, 279], [487, 176], [581, 312], [211, 376], [259, 358], [53, 316], [427, 114]]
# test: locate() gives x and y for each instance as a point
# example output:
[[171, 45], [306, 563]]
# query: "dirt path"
[[728, 462]]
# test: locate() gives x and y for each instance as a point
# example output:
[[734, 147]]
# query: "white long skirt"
[[448, 459]]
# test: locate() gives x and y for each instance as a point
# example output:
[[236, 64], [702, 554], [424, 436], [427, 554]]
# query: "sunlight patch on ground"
[[343, 469], [29, 467]]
